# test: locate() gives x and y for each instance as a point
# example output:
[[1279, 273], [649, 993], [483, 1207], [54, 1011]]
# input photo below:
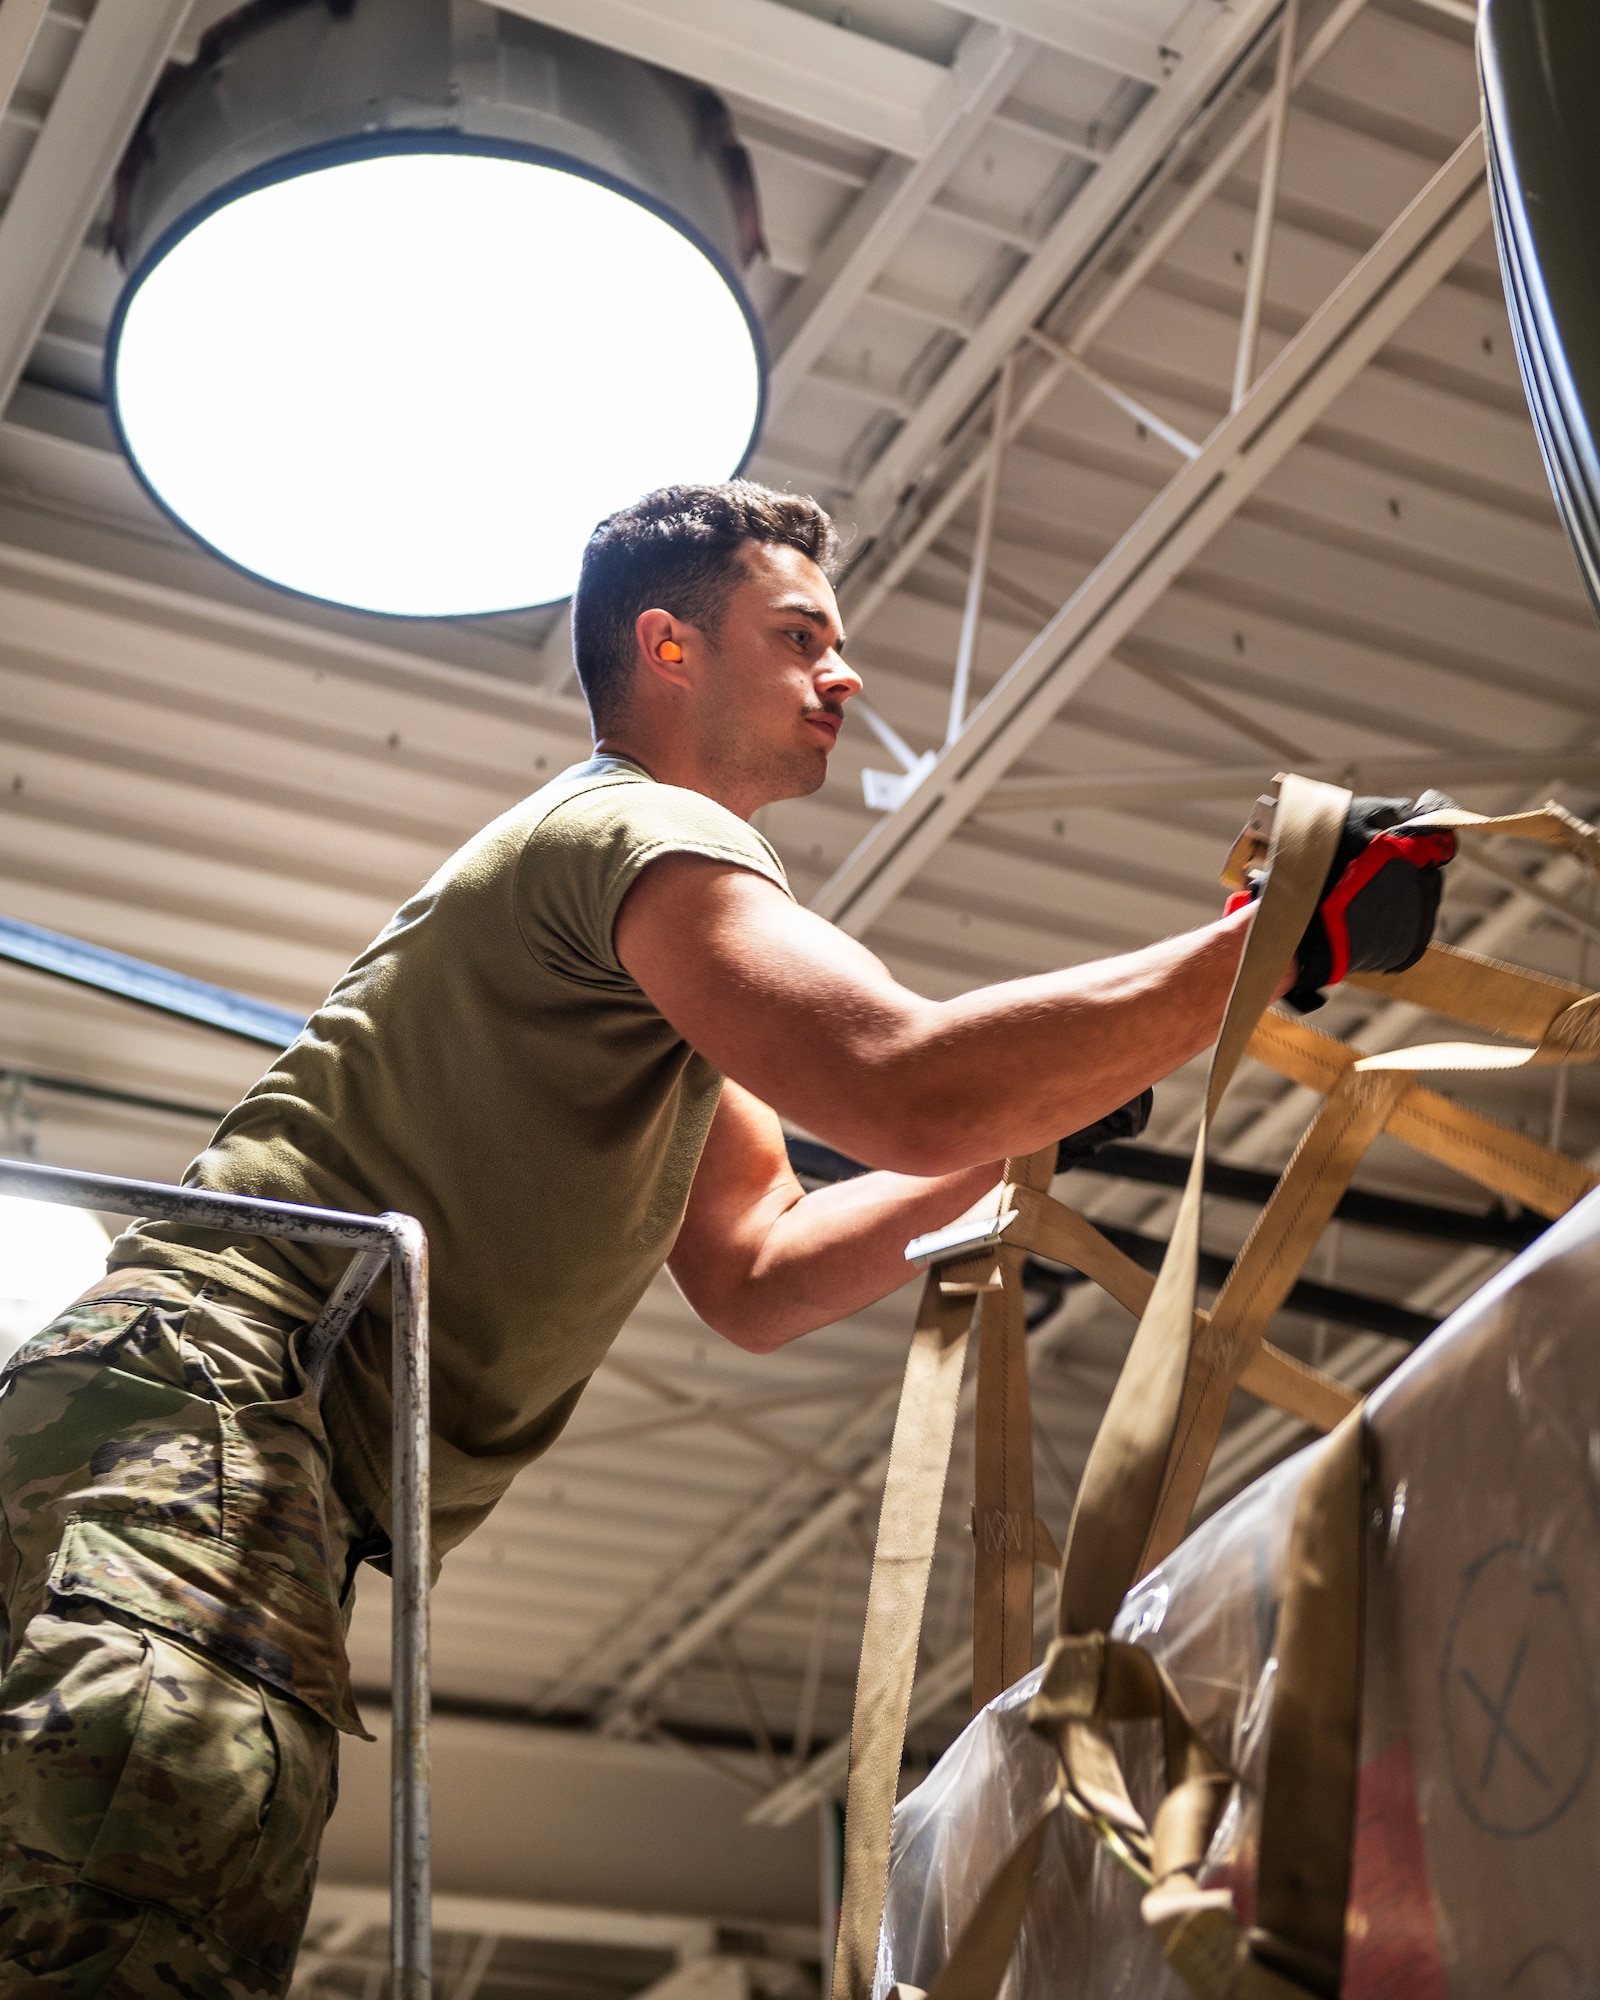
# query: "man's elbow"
[[743, 1314], [746, 1323]]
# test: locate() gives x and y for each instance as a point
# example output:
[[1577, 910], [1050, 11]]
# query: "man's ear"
[[664, 643]]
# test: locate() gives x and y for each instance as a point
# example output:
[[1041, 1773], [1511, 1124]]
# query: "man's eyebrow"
[[802, 607]]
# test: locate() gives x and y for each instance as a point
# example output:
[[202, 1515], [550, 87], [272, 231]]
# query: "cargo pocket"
[[219, 1810], [69, 1709], [182, 1825], [136, 1767]]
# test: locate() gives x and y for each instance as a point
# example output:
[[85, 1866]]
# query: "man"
[[568, 1056]]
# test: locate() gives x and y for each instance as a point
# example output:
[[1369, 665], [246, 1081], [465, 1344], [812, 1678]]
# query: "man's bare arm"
[[761, 1261], [811, 1023]]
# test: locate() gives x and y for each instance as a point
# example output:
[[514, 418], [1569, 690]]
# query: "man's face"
[[774, 686]]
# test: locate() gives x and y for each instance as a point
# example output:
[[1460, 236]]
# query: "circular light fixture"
[[407, 370]]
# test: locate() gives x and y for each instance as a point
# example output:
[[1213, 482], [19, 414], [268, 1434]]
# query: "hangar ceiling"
[[1033, 219]]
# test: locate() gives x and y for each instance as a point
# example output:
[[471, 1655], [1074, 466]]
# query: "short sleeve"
[[588, 851]]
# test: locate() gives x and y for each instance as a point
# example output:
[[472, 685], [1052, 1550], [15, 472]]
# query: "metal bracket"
[[960, 1240], [887, 791]]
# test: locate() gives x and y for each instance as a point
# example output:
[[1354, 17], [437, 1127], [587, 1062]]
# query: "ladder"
[[395, 1243]]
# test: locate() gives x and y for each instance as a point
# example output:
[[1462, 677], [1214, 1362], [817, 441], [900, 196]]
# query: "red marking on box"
[[1391, 1947]]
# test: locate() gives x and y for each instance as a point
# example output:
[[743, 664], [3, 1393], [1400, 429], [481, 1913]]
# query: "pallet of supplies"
[[1478, 1804]]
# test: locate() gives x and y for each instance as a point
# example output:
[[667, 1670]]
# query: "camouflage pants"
[[174, 1568]]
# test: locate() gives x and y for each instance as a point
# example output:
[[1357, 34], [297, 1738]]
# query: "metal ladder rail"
[[376, 1241]]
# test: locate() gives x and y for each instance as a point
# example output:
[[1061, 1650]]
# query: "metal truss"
[[120, 54], [941, 491], [1179, 82], [1154, 141], [988, 62], [1352, 325]]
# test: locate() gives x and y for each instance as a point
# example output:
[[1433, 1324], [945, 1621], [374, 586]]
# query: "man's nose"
[[838, 679]]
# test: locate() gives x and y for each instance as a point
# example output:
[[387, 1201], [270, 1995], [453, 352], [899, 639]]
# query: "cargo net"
[[1169, 1805]]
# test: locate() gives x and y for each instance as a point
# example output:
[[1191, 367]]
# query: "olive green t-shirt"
[[489, 1067]]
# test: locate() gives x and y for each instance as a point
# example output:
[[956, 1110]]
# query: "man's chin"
[[797, 778], [812, 774]]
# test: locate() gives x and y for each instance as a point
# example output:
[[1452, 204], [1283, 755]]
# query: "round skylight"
[[412, 381]]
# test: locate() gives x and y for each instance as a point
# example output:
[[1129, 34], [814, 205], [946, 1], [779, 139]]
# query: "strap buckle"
[[963, 1239]]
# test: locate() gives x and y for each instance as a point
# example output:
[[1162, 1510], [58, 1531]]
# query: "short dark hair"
[[679, 549]]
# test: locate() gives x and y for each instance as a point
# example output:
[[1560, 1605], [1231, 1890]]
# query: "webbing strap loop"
[[907, 1529], [1119, 1495]]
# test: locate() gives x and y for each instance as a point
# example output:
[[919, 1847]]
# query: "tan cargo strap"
[[1313, 1756], [1127, 1471], [908, 1527], [1155, 1444], [1005, 1537], [1490, 1153]]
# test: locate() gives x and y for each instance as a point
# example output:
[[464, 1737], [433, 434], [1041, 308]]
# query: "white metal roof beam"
[[100, 101], [1082, 31], [987, 64], [1363, 314], [806, 68]]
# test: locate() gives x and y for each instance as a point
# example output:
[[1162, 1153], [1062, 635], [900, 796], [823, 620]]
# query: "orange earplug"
[[669, 649]]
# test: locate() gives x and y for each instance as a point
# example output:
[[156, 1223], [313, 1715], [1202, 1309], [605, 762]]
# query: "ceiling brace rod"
[[891, 739], [972, 611], [805, 1720], [1141, 413], [1255, 291], [1177, 219]]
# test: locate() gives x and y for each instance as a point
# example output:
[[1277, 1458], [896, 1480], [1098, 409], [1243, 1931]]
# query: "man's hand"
[[1115, 1129], [1380, 900], [815, 1026]]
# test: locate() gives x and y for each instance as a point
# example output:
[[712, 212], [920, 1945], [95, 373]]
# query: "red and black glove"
[[1380, 900], [1117, 1127]]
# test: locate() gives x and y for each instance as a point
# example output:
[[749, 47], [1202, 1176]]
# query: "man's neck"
[[673, 764]]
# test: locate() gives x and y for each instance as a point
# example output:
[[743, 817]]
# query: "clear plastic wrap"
[[1478, 1822]]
